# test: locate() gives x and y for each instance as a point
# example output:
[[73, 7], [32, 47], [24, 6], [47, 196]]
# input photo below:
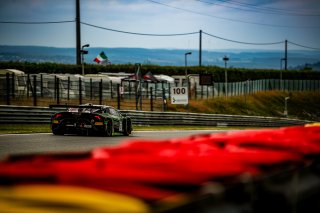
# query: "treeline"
[[234, 74]]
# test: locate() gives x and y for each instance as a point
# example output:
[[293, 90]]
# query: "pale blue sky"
[[254, 21]]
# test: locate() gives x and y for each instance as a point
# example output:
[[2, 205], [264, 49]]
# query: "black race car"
[[90, 119]]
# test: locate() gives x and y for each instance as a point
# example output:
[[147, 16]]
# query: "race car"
[[90, 119]]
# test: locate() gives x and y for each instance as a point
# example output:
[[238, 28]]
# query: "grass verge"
[[300, 105], [24, 128]]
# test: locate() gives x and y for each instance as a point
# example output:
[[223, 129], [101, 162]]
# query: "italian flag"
[[101, 58]]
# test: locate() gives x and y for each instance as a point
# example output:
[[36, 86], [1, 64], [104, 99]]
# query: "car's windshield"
[[91, 110], [73, 109], [85, 110]]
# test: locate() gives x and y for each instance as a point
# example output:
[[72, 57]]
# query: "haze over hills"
[[260, 59]]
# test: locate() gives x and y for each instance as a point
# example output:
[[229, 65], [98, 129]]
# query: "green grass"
[[181, 127], [301, 105], [24, 128]]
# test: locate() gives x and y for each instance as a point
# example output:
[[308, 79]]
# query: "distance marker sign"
[[179, 95]]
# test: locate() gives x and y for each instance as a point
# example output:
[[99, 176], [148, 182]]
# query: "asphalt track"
[[15, 144]]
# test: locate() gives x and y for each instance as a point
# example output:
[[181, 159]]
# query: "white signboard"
[[179, 95], [121, 90]]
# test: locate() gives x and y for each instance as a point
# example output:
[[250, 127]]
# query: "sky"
[[226, 24]]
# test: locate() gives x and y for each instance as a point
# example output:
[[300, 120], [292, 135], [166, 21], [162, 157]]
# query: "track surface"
[[13, 144]]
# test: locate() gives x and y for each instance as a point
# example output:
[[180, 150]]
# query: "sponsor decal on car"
[[87, 126]]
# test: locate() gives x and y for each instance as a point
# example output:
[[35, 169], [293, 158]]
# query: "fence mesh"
[[45, 89]]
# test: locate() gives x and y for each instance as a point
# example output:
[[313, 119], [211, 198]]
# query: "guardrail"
[[41, 115]]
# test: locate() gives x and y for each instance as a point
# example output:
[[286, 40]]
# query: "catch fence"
[[128, 94]]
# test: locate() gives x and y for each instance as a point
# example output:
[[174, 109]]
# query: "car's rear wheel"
[[108, 129], [57, 132], [127, 127]]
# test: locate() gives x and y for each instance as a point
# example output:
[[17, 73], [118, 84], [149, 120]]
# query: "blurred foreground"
[[242, 171]]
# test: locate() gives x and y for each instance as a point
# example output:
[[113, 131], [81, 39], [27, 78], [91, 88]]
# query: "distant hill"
[[261, 59], [314, 66]]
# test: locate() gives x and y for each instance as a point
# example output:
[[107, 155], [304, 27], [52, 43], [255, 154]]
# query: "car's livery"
[[90, 119]]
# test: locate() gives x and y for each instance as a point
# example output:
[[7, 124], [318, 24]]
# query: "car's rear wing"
[[74, 106]]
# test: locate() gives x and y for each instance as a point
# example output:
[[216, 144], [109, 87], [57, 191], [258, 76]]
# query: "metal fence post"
[[90, 88], [164, 100], [118, 95], [55, 87], [147, 89], [34, 90], [140, 100], [28, 85], [80, 91], [245, 93], [212, 90], [41, 85], [201, 92], [57, 90], [8, 88], [12, 85], [100, 91], [129, 89], [68, 92], [136, 93], [151, 99], [111, 90]]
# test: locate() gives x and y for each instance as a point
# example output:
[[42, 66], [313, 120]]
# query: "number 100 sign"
[[179, 95]]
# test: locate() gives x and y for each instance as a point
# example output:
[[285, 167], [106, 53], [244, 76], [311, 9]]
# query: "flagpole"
[[138, 86]]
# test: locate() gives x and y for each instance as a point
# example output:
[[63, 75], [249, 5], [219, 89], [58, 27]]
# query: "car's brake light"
[[97, 117], [58, 116]]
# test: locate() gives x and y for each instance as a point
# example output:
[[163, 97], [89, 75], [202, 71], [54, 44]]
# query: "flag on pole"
[[136, 76], [150, 77], [102, 59]]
